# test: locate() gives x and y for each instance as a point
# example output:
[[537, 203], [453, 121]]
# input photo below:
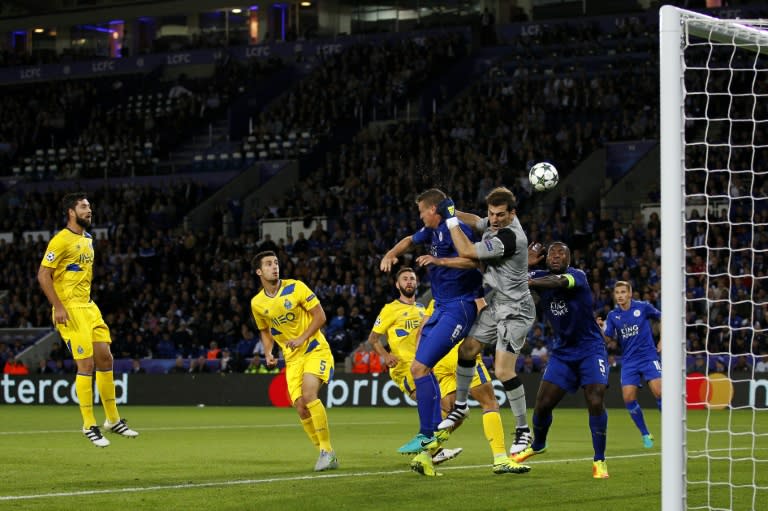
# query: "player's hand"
[[536, 253], [390, 360], [270, 360], [293, 344], [446, 208], [387, 262], [600, 322], [426, 260], [60, 316]]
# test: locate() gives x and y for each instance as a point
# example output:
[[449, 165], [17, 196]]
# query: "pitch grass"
[[259, 458]]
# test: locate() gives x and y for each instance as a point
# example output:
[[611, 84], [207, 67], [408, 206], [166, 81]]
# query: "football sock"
[[309, 429], [320, 422], [105, 382], [426, 401], [598, 424], [637, 416], [465, 371], [494, 433], [437, 411], [84, 389], [658, 403], [540, 429], [516, 395]]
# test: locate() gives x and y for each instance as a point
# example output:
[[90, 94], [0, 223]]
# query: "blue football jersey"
[[448, 283], [632, 329], [569, 312]]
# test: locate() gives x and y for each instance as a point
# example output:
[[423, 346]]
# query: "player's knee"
[[506, 374], [469, 349], [419, 370]]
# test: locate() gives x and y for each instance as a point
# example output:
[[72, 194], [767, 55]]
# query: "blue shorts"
[[634, 374], [570, 375], [448, 325]]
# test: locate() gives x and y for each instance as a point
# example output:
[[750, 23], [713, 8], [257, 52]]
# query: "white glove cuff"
[[452, 222]]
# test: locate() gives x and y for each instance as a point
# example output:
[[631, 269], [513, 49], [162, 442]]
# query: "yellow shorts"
[[318, 362], [445, 372], [84, 327], [401, 375]]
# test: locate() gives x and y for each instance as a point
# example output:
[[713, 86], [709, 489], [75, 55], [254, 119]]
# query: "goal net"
[[714, 213]]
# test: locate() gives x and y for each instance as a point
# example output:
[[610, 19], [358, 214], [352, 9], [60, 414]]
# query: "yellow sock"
[[105, 382], [320, 421], [309, 429], [84, 389], [494, 433]]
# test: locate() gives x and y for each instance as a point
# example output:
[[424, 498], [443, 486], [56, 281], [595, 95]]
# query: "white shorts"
[[505, 323]]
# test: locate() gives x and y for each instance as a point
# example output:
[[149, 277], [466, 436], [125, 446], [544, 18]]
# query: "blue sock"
[[637, 415], [658, 403], [425, 403], [598, 424], [437, 411], [540, 429]]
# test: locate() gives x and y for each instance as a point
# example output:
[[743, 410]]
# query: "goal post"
[[714, 159], [671, 133]]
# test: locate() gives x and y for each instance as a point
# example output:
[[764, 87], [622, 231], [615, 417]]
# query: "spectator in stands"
[[361, 359], [136, 367], [178, 366], [226, 362], [43, 368], [198, 365], [15, 367], [762, 363]]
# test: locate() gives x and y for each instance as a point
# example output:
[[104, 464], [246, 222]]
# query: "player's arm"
[[472, 220], [45, 278], [462, 263], [564, 280], [390, 258], [269, 343], [318, 320], [604, 329], [388, 358]]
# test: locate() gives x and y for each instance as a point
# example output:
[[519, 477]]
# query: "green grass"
[[259, 458]]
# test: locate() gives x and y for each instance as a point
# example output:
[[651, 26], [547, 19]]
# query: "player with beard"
[[399, 322], [578, 358], [65, 276]]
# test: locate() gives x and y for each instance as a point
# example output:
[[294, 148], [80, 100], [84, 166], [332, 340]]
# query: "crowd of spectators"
[[168, 292]]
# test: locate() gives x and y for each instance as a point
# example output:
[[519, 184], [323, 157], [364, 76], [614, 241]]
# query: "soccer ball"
[[543, 176]]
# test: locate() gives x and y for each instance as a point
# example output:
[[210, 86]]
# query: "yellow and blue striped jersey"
[[399, 322], [71, 257], [287, 316]]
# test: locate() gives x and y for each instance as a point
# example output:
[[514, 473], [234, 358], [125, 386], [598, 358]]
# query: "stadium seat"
[[224, 161], [237, 160], [197, 162], [250, 157], [210, 161]]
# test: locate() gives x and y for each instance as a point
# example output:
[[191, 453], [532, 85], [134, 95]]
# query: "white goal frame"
[[672, 137]]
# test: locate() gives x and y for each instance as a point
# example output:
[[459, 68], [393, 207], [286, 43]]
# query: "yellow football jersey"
[[71, 257], [399, 322], [287, 316]]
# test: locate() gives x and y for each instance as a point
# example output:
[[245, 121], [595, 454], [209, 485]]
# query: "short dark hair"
[[501, 195], [431, 197], [70, 200], [404, 269], [256, 261]]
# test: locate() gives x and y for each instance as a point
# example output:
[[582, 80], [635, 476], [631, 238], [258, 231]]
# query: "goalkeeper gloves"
[[446, 208]]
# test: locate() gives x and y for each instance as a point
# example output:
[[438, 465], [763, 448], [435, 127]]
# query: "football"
[[543, 176]]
